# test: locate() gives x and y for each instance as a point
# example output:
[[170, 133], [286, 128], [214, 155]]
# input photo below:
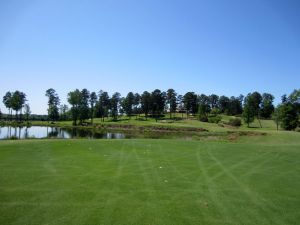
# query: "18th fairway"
[[150, 182]]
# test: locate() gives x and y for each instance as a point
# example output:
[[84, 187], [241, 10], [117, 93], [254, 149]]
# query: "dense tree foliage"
[[171, 101], [158, 100], [86, 105], [84, 109], [190, 102], [15, 101], [114, 103], [64, 112], [103, 105], [7, 101], [27, 112], [249, 109], [288, 116], [93, 101], [53, 104], [294, 98], [146, 103], [74, 99], [267, 107], [137, 104], [127, 104], [213, 101]]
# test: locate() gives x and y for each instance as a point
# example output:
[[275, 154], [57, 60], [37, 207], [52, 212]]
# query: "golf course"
[[150, 112], [252, 180]]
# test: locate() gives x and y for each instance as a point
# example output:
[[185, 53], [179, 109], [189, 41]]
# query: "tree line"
[[86, 105]]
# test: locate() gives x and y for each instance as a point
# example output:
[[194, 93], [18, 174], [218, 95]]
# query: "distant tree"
[[0, 115], [257, 100], [17, 102], [171, 101], [235, 106], [213, 101], [190, 102], [93, 101], [114, 103], [74, 98], [63, 109], [136, 104], [53, 104], [146, 103], [289, 116], [122, 106], [252, 106], [84, 110], [103, 105], [294, 98], [128, 104], [249, 109], [204, 103], [7, 101], [223, 104], [27, 112], [180, 104], [276, 116], [283, 99], [157, 103], [267, 107], [202, 113]]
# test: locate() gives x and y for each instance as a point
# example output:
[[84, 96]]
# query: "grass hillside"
[[177, 122]]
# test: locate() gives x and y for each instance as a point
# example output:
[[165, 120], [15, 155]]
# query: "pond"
[[9, 132]]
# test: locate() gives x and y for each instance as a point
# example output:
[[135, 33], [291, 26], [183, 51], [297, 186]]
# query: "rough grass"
[[254, 181]]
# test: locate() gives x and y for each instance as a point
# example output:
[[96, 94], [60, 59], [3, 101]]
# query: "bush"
[[215, 111], [236, 122], [13, 138], [289, 116], [214, 119], [203, 118]]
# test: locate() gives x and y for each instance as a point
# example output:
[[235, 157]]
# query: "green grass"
[[253, 181], [191, 122]]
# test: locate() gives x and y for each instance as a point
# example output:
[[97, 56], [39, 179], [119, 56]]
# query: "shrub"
[[289, 116], [13, 138], [236, 122], [215, 111], [214, 119], [203, 118]]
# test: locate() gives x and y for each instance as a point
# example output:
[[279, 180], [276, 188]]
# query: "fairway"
[[146, 182]]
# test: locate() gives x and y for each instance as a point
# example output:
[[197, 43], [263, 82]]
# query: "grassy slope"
[[268, 125], [253, 181]]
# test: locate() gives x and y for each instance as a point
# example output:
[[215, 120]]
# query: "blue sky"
[[228, 47]]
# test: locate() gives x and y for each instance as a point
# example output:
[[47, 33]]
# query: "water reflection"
[[56, 132]]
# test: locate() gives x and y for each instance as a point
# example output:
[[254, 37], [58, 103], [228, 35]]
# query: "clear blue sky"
[[228, 47]]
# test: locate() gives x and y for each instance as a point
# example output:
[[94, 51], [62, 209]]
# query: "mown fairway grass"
[[151, 181]]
